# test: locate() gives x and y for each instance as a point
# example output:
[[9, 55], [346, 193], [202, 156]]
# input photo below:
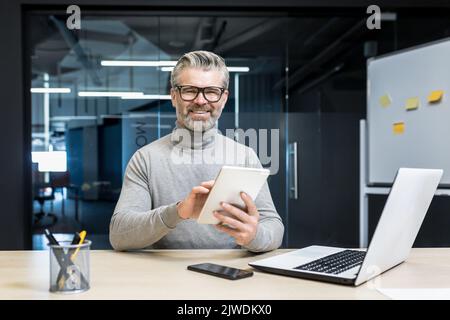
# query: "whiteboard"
[[424, 141]]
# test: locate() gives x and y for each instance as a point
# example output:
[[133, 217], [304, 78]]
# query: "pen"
[[50, 237], [82, 236], [76, 238]]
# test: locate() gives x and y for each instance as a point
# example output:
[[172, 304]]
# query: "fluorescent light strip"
[[50, 161], [149, 97], [69, 118], [238, 69], [230, 69], [139, 115], [135, 63], [50, 90], [165, 65], [109, 94]]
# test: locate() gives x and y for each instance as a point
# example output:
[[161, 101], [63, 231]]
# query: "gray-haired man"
[[162, 194]]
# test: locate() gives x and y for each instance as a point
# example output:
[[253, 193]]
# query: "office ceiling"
[[312, 47], [57, 51]]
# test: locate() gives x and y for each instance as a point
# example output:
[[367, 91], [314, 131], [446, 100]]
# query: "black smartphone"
[[220, 271]]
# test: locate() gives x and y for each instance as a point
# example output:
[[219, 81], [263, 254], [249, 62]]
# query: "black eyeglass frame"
[[202, 90]]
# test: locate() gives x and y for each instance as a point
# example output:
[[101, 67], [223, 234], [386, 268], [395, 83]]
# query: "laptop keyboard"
[[335, 263]]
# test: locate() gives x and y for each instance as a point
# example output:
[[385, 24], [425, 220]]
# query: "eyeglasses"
[[211, 94]]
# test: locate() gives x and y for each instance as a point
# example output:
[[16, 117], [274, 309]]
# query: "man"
[[167, 182]]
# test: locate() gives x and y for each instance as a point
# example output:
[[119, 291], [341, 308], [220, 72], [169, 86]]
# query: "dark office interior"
[[306, 77]]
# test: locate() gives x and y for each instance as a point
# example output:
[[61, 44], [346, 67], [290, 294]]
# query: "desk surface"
[[162, 274]]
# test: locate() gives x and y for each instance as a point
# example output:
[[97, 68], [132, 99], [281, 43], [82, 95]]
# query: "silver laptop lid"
[[402, 216]]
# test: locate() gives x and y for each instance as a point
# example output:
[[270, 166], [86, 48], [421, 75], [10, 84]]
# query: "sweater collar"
[[189, 139]]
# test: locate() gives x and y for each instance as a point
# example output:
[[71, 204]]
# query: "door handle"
[[293, 177]]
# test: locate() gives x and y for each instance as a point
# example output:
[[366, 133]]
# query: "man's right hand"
[[190, 207]]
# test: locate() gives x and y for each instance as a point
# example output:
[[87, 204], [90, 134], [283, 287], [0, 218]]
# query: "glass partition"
[[102, 92]]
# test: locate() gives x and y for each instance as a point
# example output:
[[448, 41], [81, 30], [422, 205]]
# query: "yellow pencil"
[[82, 237]]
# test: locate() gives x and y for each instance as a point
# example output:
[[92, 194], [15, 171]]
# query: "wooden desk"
[[163, 275]]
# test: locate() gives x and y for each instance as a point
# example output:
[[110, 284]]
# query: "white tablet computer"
[[227, 187]]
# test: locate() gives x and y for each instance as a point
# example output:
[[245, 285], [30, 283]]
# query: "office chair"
[[60, 181], [41, 195], [42, 192]]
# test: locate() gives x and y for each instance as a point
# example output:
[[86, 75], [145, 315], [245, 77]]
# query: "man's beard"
[[199, 125]]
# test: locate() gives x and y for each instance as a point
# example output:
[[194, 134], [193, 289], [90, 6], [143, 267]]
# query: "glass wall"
[[102, 92]]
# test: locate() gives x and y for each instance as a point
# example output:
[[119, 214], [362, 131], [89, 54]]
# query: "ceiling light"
[[238, 69], [149, 97], [109, 94], [136, 63], [50, 161], [50, 90], [230, 69]]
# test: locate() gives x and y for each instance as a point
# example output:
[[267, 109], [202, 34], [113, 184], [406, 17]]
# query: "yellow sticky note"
[[435, 96], [385, 100], [398, 128], [412, 103]]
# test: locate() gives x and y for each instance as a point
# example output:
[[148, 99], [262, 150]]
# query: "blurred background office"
[[77, 103]]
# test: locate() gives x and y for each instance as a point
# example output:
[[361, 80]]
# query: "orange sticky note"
[[385, 100], [435, 96], [412, 103], [398, 128]]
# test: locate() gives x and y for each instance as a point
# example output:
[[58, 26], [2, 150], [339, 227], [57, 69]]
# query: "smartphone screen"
[[220, 271]]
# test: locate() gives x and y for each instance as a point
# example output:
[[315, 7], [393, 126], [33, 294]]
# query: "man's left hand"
[[239, 224]]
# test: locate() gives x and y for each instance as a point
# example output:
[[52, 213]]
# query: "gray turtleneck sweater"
[[162, 173]]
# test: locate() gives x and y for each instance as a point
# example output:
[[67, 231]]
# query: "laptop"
[[399, 224]]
